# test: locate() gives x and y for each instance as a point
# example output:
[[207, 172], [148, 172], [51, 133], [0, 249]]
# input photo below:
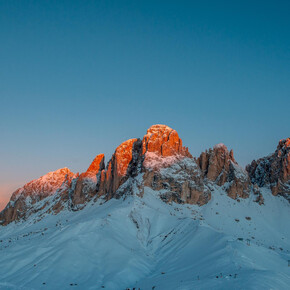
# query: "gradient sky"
[[79, 77]]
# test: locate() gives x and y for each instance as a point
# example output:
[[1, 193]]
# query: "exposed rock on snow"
[[169, 167], [163, 141], [143, 242], [273, 170], [152, 213], [218, 165], [181, 182], [88, 182], [122, 165], [24, 201], [158, 161]]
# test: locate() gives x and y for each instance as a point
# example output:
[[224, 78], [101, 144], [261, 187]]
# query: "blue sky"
[[79, 77]]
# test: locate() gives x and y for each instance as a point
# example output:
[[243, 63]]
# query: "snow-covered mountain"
[[153, 218], [273, 170]]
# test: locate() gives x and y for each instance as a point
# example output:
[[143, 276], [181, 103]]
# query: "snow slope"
[[148, 244]]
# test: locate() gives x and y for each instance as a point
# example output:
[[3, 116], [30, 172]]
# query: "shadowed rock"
[[119, 168], [159, 161], [168, 166], [88, 182], [218, 165], [273, 170]]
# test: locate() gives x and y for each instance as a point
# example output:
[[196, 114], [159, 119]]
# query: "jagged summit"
[[163, 141], [220, 145], [284, 143], [96, 164], [162, 147], [23, 199], [273, 170], [158, 161], [116, 225], [219, 165], [86, 184], [46, 185], [158, 128]]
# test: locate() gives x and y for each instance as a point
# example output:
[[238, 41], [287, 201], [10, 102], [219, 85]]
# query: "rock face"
[[119, 168], [181, 182], [23, 199], [158, 161], [273, 170], [169, 167], [88, 182], [162, 146], [218, 165], [163, 141]]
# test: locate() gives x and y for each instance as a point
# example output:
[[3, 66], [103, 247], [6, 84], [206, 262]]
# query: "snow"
[[144, 242], [47, 184], [155, 161], [240, 173]]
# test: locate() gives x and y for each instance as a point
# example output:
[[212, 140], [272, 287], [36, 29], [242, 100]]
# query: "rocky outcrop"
[[215, 163], [181, 182], [27, 199], [71, 190], [219, 166], [163, 141], [87, 184], [273, 170], [169, 167], [158, 161], [238, 183], [162, 146], [259, 197], [123, 165]]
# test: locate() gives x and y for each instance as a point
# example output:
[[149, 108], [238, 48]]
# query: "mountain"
[[153, 217], [86, 184], [45, 192], [273, 170], [219, 166]]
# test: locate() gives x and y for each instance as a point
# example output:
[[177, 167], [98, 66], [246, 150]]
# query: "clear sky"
[[79, 77]]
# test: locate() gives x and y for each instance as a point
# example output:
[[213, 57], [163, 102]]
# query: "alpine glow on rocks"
[[143, 163], [153, 217]]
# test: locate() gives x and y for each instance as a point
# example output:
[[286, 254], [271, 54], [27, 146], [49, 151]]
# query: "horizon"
[[79, 78]]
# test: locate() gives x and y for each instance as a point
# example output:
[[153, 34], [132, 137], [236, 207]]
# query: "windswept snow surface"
[[148, 244]]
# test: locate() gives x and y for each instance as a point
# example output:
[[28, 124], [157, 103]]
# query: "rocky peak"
[[87, 183], [120, 167], [284, 144], [215, 163], [52, 184], [123, 156], [161, 142], [46, 185], [159, 161], [219, 166], [97, 165], [169, 168], [273, 170]]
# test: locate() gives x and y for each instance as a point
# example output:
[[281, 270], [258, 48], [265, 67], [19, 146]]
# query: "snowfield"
[[148, 244]]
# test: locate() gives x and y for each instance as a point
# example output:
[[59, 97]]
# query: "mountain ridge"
[[160, 148], [152, 217]]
